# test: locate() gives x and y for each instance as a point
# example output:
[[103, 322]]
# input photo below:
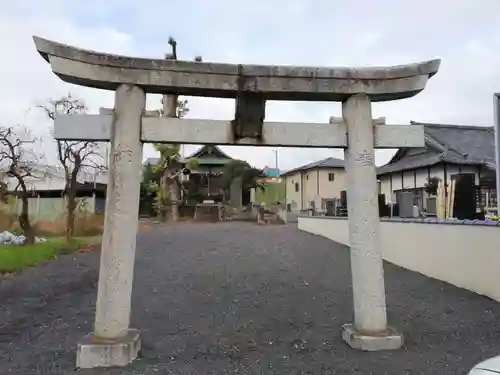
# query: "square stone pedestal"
[[93, 352], [389, 340]]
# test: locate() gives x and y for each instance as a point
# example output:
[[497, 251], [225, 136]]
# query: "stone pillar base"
[[389, 340], [93, 353]]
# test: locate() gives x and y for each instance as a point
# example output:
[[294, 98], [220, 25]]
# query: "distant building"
[[207, 176], [272, 175], [271, 172], [47, 189], [312, 185], [449, 149]]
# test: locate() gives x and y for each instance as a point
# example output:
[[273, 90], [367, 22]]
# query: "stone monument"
[[235, 193], [113, 342]]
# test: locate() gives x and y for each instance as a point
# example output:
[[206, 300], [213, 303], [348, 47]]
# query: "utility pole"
[[278, 175], [276, 164]]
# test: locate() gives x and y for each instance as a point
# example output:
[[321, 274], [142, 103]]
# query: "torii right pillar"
[[370, 330]]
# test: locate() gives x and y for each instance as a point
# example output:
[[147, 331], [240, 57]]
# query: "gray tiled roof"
[[454, 144], [325, 163], [224, 158]]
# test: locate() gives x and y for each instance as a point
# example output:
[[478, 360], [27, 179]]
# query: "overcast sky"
[[465, 34]]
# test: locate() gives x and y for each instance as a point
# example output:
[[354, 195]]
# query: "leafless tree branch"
[[74, 156], [20, 162]]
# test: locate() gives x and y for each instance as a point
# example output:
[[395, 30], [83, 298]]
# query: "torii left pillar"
[[113, 342]]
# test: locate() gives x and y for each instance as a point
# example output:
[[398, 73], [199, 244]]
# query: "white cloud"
[[465, 34]]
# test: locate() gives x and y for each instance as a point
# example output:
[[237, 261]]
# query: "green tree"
[[192, 191], [170, 168], [250, 176], [431, 185], [149, 183], [148, 188]]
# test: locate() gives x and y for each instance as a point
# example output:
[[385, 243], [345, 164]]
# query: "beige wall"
[[314, 186], [292, 197], [463, 255]]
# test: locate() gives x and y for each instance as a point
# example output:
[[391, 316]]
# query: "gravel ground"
[[237, 298]]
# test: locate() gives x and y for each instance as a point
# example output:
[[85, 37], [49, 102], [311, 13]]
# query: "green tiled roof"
[[203, 161]]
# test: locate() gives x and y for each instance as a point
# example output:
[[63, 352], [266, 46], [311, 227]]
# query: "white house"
[[449, 149]]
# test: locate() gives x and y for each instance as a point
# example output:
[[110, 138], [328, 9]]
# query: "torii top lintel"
[[272, 82]]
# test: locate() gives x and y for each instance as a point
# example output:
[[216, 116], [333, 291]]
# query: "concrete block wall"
[[464, 253]]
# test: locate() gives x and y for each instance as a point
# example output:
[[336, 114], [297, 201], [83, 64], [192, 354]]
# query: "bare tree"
[[75, 156], [19, 161]]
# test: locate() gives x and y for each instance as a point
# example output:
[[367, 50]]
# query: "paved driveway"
[[237, 298]]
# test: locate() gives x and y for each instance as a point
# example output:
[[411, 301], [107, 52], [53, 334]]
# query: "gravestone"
[[330, 207], [464, 200], [235, 193], [113, 342], [404, 200], [343, 199]]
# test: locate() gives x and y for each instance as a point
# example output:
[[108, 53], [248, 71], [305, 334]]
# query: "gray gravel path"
[[237, 298]]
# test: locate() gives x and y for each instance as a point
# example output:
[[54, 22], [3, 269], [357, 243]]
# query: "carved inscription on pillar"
[[365, 159]]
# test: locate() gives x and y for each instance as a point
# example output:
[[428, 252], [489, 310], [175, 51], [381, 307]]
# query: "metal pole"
[[496, 108], [276, 152], [276, 166]]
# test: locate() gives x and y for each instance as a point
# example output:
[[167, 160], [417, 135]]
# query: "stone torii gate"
[[113, 342]]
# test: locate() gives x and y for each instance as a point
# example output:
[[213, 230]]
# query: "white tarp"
[[8, 238]]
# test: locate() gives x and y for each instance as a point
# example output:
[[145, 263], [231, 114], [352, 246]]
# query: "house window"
[[296, 186], [331, 176], [307, 177]]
